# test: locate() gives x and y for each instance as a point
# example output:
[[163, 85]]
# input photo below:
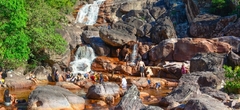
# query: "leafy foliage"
[[233, 78], [64, 6], [28, 28], [14, 49], [224, 7]]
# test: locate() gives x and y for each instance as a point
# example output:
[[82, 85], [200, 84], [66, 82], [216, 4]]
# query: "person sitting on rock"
[[56, 75], [32, 78], [87, 75], [69, 75], [8, 98]]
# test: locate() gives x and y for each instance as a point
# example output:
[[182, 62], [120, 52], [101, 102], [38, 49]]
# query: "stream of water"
[[88, 14]]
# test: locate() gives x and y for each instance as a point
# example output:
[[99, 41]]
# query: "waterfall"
[[88, 14], [83, 60], [133, 55]]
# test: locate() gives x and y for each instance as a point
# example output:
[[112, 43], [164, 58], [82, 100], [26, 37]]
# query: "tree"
[[14, 49], [43, 21]]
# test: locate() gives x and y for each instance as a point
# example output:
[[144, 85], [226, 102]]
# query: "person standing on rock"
[[148, 79], [124, 82], [101, 78], [141, 66], [183, 69], [56, 74]]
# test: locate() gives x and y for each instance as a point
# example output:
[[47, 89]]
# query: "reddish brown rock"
[[67, 85], [186, 48]]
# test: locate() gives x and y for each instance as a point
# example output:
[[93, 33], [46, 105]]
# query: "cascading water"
[[88, 14], [83, 60], [133, 55]]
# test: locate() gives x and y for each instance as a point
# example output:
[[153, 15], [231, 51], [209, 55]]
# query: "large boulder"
[[163, 51], [163, 30], [209, 26], [115, 38], [190, 85], [186, 48], [42, 73], [207, 62], [53, 98], [131, 100], [187, 88], [101, 91], [205, 102]]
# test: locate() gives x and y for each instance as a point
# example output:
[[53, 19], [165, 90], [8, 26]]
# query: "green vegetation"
[[14, 41], [28, 27], [233, 79], [224, 7]]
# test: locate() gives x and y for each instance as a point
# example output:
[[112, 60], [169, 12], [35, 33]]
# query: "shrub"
[[232, 78]]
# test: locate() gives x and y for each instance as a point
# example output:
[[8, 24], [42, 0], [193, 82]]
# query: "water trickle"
[[88, 14], [133, 55], [83, 60]]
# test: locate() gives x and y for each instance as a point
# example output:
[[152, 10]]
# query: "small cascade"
[[88, 14], [133, 55], [83, 60]]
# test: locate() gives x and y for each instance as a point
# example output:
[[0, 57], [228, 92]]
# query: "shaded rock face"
[[101, 91], [42, 73], [99, 46], [233, 59], [232, 29], [115, 38], [143, 14], [208, 80], [163, 51], [215, 93], [207, 62], [156, 12], [54, 97], [209, 26], [192, 9], [232, 40], [205, 102], [163, 30]]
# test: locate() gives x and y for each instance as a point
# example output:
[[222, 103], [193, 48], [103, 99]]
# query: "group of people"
[[94, 76]]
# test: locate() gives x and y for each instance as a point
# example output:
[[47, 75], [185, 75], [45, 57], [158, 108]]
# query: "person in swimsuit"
[[141, 66]]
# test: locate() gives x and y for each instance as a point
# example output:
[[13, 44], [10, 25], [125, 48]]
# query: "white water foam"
[[88, 14], [83, 60]]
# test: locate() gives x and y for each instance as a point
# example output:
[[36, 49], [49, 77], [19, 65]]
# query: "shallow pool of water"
[[24, 93]]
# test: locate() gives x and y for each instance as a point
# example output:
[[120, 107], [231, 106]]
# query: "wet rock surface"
[[54, 97]]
